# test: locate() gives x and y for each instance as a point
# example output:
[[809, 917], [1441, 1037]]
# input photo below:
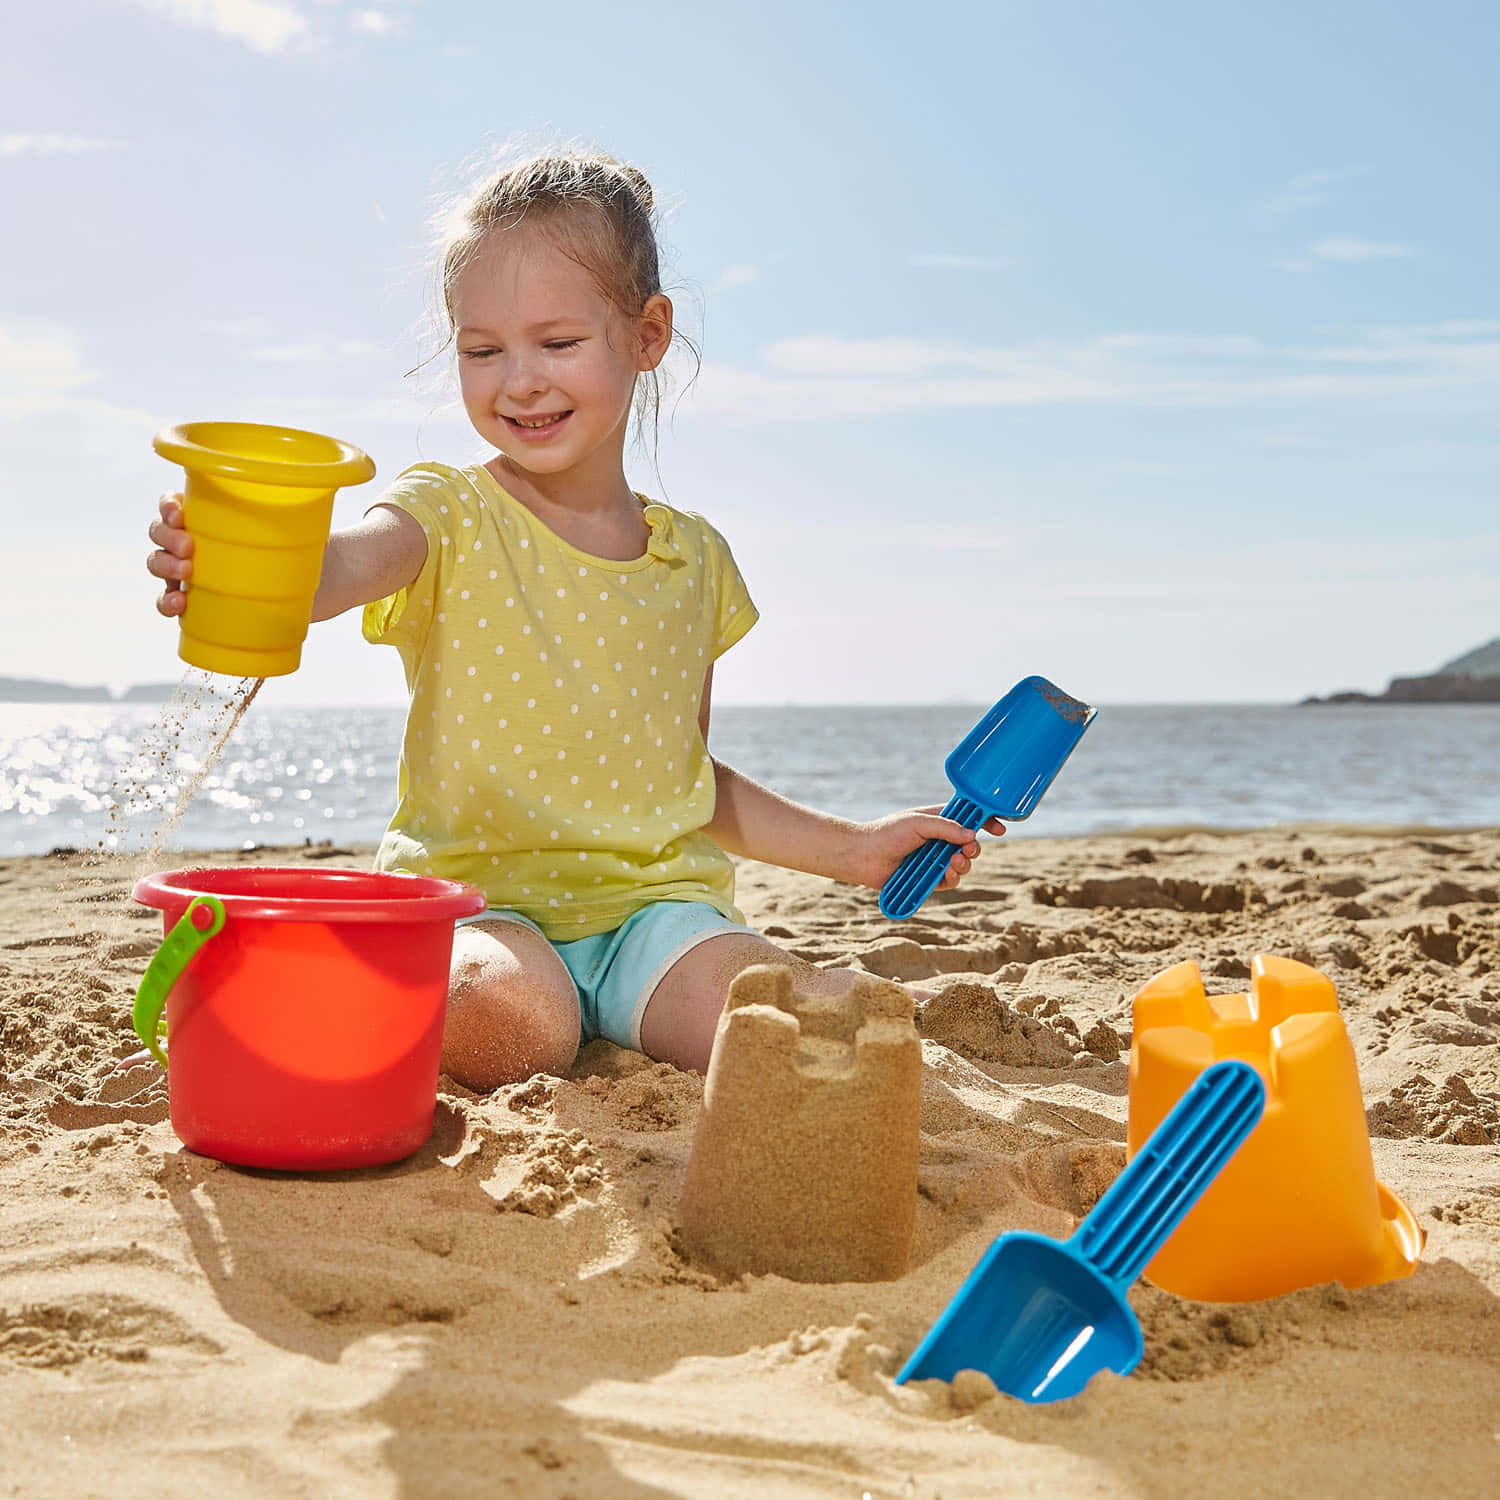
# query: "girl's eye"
[[564, 343], [475, 353]]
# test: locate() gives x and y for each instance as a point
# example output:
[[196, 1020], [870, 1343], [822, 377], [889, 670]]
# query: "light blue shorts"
[[616, 973]]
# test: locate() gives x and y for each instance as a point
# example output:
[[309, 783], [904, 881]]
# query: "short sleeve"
[[426, 493], [734, 610]]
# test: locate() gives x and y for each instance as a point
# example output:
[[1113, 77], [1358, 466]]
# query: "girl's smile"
[[538, 429]]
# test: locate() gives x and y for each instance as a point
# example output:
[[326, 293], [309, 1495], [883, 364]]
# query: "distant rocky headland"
[[42, 690], [1473, 677]]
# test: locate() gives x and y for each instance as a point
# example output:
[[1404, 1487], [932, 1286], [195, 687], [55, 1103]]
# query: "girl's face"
[[546, 366]]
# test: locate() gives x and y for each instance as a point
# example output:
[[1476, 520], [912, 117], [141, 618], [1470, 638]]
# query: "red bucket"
[[304, 1010]]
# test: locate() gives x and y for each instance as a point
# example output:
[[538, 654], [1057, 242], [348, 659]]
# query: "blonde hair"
[[598, 211]]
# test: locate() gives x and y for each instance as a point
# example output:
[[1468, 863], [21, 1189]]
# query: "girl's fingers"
[[171, 538], [990, 825], [172, 560], [165, 565]]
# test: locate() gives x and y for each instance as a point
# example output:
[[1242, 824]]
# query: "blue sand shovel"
[[999, 770], [1040, 1317]]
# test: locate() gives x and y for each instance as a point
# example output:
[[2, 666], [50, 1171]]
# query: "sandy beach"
[[511, 1310]]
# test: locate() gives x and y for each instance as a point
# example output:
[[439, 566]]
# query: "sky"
[[1154, 346]]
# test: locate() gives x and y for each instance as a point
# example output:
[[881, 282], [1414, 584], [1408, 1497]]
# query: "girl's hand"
[[883, 844], [173, 559]]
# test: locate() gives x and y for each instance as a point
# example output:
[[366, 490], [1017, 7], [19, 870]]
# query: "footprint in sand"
[[95, 1326]]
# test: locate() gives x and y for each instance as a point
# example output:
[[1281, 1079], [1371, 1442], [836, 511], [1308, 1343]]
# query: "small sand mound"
[[1073, 1176], [972, 1020], [1450, 1112], [1445, 944], [1103, 1041], [1450, 893], [649, 1104], [1125, 891], [559, 1167], [1194, 1340]]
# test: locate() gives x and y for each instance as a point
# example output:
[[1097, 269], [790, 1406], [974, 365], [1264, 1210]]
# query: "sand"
[[511, 1311]]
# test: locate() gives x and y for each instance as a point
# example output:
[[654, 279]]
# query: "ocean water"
[[287, 775]]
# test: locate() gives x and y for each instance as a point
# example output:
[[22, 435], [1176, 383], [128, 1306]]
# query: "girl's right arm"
[[381, 554]]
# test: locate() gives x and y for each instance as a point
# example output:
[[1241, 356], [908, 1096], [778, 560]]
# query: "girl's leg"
[[683, 1012], [512, 1007]]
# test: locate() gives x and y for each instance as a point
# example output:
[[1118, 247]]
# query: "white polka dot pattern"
[[577, 752]]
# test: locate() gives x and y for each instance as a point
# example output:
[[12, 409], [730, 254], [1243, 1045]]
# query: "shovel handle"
[[1171, 1171], [918, 875]]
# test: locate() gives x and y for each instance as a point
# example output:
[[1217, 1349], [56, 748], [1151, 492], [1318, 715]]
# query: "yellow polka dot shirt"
[[552, 754]]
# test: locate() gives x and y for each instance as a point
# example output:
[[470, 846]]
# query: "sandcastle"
[[804, 1161]]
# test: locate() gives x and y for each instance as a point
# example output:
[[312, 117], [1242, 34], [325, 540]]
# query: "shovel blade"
[[1011, 756], [1036, 1318], [1000, 768]]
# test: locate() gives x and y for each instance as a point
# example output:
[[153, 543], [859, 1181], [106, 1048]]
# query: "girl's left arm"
[[753, 821]]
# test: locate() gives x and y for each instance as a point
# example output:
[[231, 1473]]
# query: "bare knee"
[[512, 1010], [683, 1014], [731, 956]]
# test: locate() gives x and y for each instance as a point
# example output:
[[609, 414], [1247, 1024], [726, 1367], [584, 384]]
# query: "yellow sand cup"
[[258, 503]]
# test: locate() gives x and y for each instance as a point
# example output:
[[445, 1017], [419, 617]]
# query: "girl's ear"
[[654, 329]]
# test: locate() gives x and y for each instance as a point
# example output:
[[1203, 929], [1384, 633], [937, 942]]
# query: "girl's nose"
[[522, 377]]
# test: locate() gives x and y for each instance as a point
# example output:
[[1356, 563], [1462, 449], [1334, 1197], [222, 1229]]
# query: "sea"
[[88, 775]]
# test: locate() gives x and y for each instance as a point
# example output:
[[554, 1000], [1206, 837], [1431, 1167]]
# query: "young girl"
[[558, 633]]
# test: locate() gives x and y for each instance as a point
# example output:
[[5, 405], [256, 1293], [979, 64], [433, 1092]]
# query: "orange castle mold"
[[1299, 1204]]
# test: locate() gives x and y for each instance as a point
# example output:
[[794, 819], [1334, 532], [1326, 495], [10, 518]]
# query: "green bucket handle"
[[203, 918]]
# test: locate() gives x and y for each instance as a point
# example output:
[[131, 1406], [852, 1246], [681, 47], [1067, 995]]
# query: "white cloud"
[[821, 376], [377, 23], [813, 354], [1295, 442], [1450, 328], [1340, 251], [936, 260], [259, 24], [47, 143], [57, 438], [1164, 344], [1358, 250], [236, 328], [1308, 189], [39, 367], [738, 275], [316, 352]]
